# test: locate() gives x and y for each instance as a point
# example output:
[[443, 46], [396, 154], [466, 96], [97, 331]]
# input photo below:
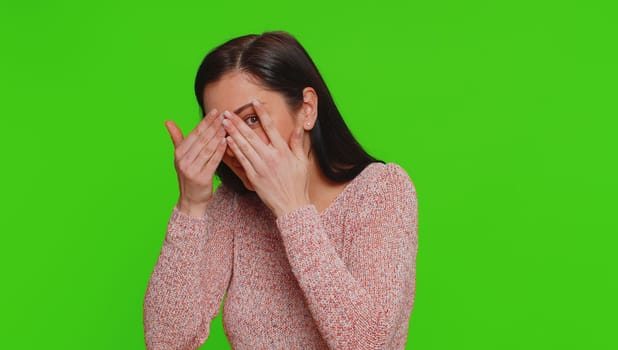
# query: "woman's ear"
[[309, 108]]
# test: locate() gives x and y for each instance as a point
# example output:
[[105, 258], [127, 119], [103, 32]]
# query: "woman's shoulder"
[[381, 186], [385, 192], [385, 176]]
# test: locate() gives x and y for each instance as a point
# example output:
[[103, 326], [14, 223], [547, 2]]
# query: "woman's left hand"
[[278, 172]]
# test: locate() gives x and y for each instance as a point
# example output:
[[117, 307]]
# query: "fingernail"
[[255, 102], [227, 114], [226, 122]]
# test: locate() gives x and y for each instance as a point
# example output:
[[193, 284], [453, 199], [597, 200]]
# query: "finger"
[[202, 126], [207, 121], [207, 151], [246, 139], [209, 168], [268, 125], [175, 132], [246, 164], [203, 139]]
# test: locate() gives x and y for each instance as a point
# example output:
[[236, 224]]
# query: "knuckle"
[[201, 130], [183, 164], [190, 173], [206, 149], [201, 136]]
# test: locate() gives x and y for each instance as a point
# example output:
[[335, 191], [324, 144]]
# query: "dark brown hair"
[[279, 63]]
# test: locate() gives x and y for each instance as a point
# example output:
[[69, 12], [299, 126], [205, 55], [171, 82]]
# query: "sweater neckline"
[[345, 190]]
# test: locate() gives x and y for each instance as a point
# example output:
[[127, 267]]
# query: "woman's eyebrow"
[[242, 108]]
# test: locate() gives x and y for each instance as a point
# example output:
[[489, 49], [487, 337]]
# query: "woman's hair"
[[278, 62]]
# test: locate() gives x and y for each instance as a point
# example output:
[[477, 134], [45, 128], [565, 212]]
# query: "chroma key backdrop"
[[502, 112]]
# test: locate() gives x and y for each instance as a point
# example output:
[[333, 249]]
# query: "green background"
[[502, 112]]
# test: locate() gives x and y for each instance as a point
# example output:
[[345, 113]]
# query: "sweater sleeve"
[[190, 278], [362, 300]]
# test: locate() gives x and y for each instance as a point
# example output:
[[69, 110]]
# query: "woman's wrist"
[[193, 209], [281, 211]]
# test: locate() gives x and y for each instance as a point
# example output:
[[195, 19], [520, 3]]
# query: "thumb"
[[175, 132]]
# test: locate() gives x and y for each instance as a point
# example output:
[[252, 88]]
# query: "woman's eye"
[[252, 120]]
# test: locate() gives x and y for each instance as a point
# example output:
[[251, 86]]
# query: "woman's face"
[[234, 92]]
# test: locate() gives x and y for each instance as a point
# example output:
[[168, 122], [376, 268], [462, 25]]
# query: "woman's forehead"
[[232, 89], [234, 92], [246, 106]]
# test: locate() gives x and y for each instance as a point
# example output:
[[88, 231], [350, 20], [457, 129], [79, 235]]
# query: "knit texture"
[[340, 279]]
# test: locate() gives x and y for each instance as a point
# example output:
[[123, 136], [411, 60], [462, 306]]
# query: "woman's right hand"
[[196, 158]]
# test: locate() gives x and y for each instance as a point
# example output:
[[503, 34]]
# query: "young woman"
[[312, 241]]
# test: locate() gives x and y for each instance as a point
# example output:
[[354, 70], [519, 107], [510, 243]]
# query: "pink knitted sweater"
[[340, 279]]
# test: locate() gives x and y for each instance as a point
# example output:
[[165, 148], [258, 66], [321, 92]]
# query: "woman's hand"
[[196, 158], [277, 171]]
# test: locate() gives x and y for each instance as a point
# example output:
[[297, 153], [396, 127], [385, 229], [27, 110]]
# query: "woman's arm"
[[358, 302], [190, 277]]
